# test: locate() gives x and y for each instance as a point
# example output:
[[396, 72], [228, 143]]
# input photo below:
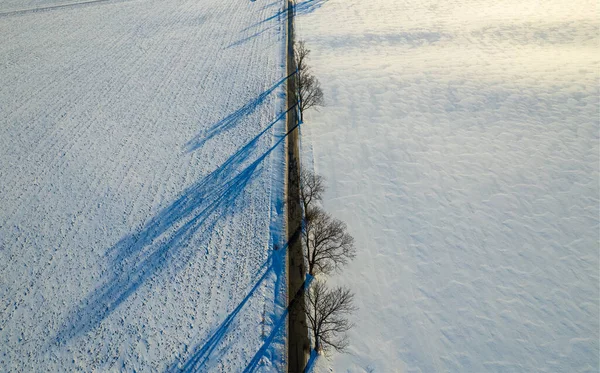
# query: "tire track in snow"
[[53, 7]]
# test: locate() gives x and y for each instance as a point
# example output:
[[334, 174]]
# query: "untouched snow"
[[460, 142], [141, 185]]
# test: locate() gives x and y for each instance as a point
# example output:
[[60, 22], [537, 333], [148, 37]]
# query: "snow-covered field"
[[460, 141], [141, 180]]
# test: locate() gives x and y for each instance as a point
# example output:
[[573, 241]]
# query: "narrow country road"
[[298, 342]]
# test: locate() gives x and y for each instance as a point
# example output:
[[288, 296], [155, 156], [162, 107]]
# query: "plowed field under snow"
[[141, 179]]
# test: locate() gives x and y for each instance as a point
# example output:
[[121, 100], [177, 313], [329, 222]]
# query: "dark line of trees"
[[326, 242], [308, 87], [327, 248]]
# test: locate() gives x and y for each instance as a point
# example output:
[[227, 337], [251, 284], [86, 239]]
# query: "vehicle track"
[[52, 7]]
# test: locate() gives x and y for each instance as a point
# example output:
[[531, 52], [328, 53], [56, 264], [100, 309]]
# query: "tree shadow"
[[311, 361], [308, 6], [262, 352], [232, 119], [247, 38], [166, 237], [300, 8], [200, 356], [197, 360], [276, 16], [275, 264]]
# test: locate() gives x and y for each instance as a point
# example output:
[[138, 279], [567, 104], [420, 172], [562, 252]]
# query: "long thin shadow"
[[308, 6], [247, 38], [198, 359], [276, 16], [311, 361], [251, 367], [139, 256], [230, 121], [301, 8]]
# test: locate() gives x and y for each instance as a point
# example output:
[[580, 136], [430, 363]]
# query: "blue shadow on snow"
[[231, 120], [202, 353], [198, 359], [262, 352], [308, 6], [311, 361], [300, 8], [165, 238]]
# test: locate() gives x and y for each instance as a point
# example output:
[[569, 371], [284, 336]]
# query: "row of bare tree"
[[327, 245], [327, 248], [309, 90]]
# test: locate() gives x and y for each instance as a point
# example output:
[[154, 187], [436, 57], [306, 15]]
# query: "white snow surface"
[[460, 144], [141, 185]]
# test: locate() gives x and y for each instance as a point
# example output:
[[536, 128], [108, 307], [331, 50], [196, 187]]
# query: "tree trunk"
[[308, 257]]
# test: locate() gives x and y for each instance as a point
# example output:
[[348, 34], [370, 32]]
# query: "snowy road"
[[460, 141], [141, 178]]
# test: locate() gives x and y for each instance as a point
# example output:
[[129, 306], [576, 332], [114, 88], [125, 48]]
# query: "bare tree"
[[301, 53], [328, 244], [312, 187], [327, 311], [309, 89]]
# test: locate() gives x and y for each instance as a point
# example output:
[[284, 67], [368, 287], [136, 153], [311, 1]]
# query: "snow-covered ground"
[[460, 141], [141, 180]]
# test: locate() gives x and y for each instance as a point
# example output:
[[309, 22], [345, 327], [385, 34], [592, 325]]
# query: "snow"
[[460, 144], [141, 168]]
